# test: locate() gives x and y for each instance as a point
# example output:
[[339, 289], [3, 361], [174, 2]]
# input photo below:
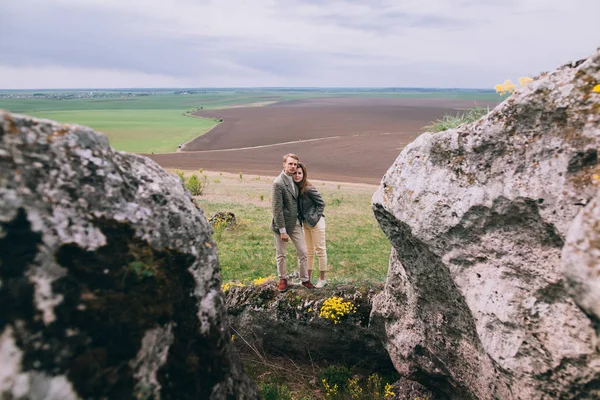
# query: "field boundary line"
[[257, 147], [191, 140], [262, 146]]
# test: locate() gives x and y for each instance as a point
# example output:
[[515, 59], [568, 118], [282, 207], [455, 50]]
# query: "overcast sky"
[[258, 43]]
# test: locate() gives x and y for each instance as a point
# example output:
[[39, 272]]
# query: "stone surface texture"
[[109, 277], [481, 299], [292, 325]]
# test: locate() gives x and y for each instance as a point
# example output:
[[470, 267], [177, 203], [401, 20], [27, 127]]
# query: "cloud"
[[293, 42], [81, 78]]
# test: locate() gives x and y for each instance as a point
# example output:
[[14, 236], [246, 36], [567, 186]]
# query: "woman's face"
[[298, 175]]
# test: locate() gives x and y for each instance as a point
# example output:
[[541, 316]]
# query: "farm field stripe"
[[286, 143]]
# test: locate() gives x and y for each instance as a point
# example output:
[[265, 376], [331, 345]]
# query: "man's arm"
[[277, 206]]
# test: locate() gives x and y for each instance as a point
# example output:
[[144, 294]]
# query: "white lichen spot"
[[89, 155], [70, 230], [44, 387], [207, 311], [45, 299], [34, 385], [151, 357], [10, 360]]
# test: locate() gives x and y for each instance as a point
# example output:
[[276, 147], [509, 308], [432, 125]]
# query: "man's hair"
[[295, 157]]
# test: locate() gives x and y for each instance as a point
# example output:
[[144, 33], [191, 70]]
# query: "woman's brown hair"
[[304, 182]]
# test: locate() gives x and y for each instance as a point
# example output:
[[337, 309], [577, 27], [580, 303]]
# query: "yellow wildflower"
[[260, 281], [597, 88], [354, 388], [388, 394], [524, 80], [228, 285], [335, 308], [506, 87]]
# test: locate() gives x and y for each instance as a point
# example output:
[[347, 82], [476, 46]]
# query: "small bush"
[[451, 122], [275, 391], [196, 185], [335, 376]]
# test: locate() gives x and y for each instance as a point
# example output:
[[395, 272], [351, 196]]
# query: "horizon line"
[[252, 88]]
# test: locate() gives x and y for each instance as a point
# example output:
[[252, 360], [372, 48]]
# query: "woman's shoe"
[[321, 283]]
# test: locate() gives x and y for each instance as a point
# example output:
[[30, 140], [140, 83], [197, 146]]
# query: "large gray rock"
[[475, 302], [109, 277], [581, 258]]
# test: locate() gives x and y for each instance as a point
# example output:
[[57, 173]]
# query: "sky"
[[289, 43]]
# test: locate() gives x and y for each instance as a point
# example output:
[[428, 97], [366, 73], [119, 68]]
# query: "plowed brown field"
[[339, 139]]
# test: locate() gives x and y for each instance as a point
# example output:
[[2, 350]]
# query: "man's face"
[[290, 165]]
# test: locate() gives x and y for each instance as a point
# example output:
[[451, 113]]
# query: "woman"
[[310, 212]]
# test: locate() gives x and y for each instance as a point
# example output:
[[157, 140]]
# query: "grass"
[[141, 131], [357, 249], [451, 122]]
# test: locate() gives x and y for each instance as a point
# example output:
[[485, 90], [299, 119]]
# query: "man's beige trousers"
[[297, 237]]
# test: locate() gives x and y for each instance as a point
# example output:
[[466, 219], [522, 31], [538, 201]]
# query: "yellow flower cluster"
[[389, 393], [596, 88], [509, 87], [335, 308], [228, 285], [354, 388], [506, 87], [260, 281], [329, 391], [525, 80]]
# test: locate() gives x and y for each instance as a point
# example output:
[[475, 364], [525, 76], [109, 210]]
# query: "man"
[[286, 225]]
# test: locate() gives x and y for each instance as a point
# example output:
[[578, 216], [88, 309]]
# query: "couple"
[[296, 205]]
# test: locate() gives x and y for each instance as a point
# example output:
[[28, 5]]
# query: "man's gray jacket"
[[284, 203]]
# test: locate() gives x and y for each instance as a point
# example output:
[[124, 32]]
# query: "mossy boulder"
[[109, 277]]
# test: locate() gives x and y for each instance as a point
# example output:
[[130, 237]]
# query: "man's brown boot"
[[308, 285], [282, 287]]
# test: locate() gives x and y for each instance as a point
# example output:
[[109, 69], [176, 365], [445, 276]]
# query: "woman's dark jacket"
[[310, 206]]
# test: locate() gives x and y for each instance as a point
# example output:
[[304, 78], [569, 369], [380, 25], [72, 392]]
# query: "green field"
[[140, 131], [154, 122]]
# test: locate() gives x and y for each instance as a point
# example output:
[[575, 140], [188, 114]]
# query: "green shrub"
[[450, 122], [336, 376], [197, 185], [275, 391]]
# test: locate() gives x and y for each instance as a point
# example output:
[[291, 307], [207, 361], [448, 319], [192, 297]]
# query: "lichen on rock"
[[476, 304], [111, 273]]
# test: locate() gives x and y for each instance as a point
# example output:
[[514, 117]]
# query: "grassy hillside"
[[357, 249]]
